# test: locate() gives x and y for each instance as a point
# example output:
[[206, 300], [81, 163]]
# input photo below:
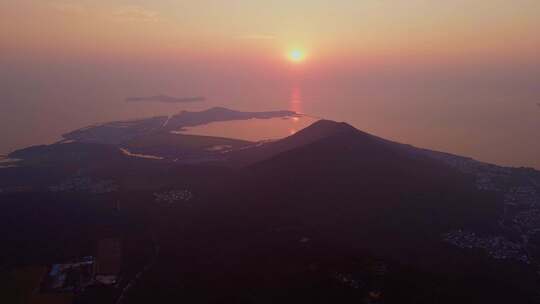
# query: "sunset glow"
[[377, 64], [271, 151], [296, 56]]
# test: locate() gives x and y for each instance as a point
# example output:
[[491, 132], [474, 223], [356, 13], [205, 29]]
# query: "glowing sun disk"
[[296, 56]]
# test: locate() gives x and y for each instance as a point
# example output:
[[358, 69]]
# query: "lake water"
[[253, 129]]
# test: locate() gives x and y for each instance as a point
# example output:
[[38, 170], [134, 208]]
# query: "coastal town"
[[520, 218], [85, 184], [173, 196], [496, 247]]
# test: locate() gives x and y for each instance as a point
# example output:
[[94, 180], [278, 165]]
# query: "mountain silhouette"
[[330, 214]]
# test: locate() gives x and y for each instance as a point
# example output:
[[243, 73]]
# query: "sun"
[[296, 56]]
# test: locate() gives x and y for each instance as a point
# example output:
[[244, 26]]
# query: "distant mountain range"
[[329, 214], [165, 98]]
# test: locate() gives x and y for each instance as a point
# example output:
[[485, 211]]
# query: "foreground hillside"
[[327, 215]]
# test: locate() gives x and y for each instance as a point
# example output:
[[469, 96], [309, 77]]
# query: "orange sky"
[[418, 30], [459, 76]]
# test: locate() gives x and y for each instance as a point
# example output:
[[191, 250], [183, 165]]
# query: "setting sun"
[[296, 55]]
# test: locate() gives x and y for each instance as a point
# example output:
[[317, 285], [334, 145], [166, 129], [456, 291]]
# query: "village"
[[85, 184], [497, 247], [521, 210], [173, 196]]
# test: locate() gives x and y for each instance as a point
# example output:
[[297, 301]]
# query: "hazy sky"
[[359, 32], [460, 76]]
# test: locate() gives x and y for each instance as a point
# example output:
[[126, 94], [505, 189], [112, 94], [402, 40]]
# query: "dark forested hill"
[[328, 215]]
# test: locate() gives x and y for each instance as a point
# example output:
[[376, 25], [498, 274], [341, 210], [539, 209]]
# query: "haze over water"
[[448, 77]]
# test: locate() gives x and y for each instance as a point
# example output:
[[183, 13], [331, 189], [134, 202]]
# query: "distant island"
[[165, 98]]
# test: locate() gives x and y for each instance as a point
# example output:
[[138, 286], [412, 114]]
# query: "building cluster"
[[348, 280], [484, 182], [72, 276], [497, 247], [488, 176], [524, 200], [75, 276], [463, 164], [522, 196], [173, 196], [85, 184], [528, 220], [521, 210]]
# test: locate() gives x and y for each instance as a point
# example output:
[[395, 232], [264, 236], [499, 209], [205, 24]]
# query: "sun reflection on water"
[[296, 106], [296, 99]]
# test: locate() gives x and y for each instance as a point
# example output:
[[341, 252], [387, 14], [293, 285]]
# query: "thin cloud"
[[256, 37], [136, 13], [119, 13], [69, 7]]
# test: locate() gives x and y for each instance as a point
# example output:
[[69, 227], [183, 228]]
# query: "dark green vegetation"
[[173, 146], [328, 215]]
